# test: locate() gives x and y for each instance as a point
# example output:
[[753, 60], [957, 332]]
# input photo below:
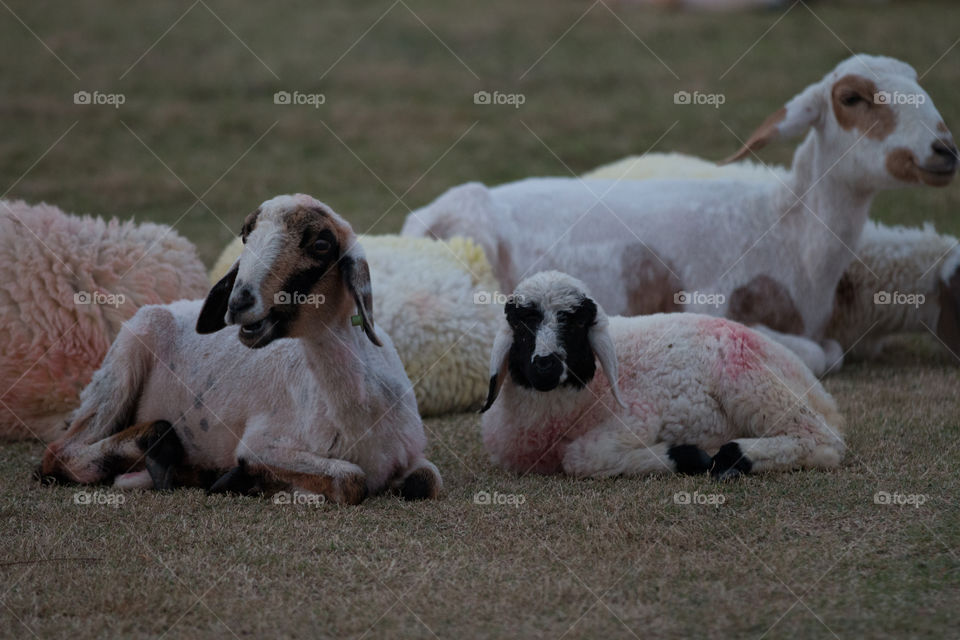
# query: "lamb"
[[67, 283], [767, 254], [674, 386], [330, 412], [891, 261], [434, 301]]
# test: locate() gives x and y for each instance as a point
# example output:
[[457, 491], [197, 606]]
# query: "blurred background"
[[175, 111]]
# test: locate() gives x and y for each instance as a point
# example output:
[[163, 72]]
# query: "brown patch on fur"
[[248, 224], [902, 165], [350, 489], [765, 301], [846, 295], [874, 120], [948, 324], [759, 138], [942, 127], [651, 283]]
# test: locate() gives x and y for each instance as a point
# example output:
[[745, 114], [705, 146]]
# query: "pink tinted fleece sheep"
[[67, 283]]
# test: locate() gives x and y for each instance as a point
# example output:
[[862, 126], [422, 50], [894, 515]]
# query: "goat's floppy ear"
[[356, 277], [498, 363], [213, 314], [602, 345], [798, 115]]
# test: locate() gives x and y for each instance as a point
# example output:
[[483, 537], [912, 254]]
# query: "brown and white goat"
[[767, 254], [329, 412]]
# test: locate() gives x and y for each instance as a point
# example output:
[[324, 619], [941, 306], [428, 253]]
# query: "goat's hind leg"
[[421, 481]]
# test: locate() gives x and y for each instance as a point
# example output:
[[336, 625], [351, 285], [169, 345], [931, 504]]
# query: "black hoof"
[[730, 463], [419, 485], [237, 480], [689, 459], [164, 452]]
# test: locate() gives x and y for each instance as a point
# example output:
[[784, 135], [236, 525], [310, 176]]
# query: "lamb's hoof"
[[730, 463], [351, 489], [236, 480], [689, 459]]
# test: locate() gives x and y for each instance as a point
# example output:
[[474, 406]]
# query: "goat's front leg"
[[613, 449], [265, 464]]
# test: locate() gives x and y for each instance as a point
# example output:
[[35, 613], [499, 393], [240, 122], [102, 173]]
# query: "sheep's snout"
[[944, 158], [545, 372], [241, 301]]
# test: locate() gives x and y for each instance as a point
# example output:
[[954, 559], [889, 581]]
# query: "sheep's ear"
[[213, 314], [602, 345], [498, 363], [948, 324], [798, 115], [356, 277]]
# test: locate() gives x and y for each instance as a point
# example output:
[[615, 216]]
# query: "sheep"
[[891, 260], [67, 283], [329, 412], [434, 300], [767, 254], [674, 387]]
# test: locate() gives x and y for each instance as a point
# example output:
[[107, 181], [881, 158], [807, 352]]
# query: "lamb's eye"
[[321, 245]]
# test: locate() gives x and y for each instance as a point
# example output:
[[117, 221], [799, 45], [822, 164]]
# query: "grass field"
[[198, 142]]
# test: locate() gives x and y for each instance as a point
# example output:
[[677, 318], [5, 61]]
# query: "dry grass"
[[805, 555]]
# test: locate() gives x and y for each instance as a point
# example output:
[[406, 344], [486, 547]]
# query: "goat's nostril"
[[945, 149], [241, 301]]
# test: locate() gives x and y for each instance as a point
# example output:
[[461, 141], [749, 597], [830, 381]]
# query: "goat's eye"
[[851, 99], [321, 245]]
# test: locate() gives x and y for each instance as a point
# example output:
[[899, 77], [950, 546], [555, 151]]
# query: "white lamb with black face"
[[674, 387]]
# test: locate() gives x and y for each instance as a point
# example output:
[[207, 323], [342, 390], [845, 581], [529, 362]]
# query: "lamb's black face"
[[551, 346]]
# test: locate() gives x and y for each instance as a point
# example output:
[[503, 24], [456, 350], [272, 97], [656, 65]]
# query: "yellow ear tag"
[[356, 321]]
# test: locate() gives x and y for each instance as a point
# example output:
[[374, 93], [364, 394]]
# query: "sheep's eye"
[[851, 99], [321, 245]]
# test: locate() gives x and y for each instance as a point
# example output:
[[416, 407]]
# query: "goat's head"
[[301, 263], [551, 334], [875, 125]]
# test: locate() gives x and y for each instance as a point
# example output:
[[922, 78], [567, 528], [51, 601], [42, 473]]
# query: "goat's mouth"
[[937, 176], [260, 333]]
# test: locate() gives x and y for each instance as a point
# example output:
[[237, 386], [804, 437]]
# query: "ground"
[[199, 142]]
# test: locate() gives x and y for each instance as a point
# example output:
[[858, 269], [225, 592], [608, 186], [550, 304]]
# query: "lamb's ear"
[[213, 314], [498, 363], [602, 345], [794, 118], [356, 277]]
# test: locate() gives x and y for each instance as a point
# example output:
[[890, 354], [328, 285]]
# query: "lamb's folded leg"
[[612, 449]]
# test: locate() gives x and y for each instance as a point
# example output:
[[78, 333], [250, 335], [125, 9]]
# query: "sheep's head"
[[551, 335], [301, 265], [875, 125]]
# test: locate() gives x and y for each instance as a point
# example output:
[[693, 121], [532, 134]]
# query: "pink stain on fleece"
[[741, 349]]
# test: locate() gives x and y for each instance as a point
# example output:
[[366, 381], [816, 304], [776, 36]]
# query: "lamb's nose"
[[545, 364], [946, 151], [241, 301]]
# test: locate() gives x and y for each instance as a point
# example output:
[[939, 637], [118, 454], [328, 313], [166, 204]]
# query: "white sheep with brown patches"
[[674, 387], [767, 254], [892, 261], [330, 412]]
